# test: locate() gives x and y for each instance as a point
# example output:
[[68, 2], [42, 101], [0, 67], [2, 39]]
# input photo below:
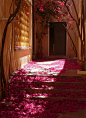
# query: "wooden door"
[[57, 38]]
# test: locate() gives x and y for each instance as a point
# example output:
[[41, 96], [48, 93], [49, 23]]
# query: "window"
[[21, 26]]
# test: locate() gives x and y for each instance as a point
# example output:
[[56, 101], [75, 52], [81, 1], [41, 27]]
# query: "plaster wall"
[[18, 57], [85, 29]]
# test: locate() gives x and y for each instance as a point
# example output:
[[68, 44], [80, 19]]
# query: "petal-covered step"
[[55, 98]]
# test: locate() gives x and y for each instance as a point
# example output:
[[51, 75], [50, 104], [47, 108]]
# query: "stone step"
[[50, 90], [51, 83], [55, 98], [65, 75]]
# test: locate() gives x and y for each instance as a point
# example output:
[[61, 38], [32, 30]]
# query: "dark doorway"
[[57, 43]]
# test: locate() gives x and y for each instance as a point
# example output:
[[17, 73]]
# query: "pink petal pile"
[[23, 106]]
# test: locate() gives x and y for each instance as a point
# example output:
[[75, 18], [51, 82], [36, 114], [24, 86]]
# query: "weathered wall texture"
[[18, 57], [73, 33]]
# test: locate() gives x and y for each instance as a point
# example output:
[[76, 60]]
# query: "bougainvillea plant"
[[47, 10]]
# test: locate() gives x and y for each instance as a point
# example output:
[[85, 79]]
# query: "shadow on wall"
[[19, 63]]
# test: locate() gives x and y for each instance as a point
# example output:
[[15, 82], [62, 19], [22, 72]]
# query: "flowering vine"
[[47, 10], [59, 11]]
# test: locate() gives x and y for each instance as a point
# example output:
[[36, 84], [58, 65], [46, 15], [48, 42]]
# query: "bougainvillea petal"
[[22, 104]]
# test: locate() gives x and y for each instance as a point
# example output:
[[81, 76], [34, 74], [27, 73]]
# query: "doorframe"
[[49, 39]]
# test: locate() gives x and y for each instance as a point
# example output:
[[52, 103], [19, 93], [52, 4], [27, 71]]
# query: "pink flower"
[[69, 22], [62, 3], [59, 2], [71, 19], [58, 7], [69, 15], [41, 8], [27, 13]]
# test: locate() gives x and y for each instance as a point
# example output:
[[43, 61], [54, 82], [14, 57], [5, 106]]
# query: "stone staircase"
[[64, 92], [45, 90], [63, 88]]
